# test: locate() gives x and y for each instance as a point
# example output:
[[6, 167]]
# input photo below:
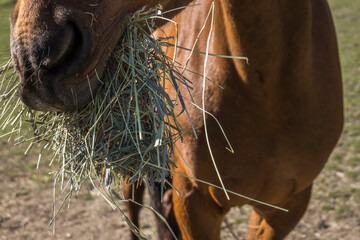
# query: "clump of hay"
[[129, 129]]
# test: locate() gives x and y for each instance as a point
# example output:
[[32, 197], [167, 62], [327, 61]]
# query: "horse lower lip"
[[37, 97]]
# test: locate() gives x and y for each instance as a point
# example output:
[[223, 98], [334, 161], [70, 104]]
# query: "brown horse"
[[283, 113]]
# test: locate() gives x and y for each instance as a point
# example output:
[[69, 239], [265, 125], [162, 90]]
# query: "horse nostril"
[[56, 51], [60, 46]]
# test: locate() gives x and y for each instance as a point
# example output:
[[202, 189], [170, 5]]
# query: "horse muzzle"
[[50, 53]]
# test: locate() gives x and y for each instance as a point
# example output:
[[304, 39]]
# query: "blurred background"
[[26, 194]]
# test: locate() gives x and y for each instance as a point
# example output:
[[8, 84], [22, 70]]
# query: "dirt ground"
[[26, 206], [334, 213]]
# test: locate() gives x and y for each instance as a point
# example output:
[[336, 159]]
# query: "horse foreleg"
[[164, 208], [198, 215], [132, 208]]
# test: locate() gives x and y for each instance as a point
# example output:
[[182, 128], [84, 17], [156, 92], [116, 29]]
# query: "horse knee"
[[198, 216]]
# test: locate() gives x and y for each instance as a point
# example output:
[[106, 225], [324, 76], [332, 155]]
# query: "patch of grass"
[[338, 158], [355, 191], [327, 208], [354, 131], [343, 210], [332, 166], [239, 220], [5, 8], [320, 197], [354, 161], [16, 165], [17, 151], [30, 166], [338, 195], [78, 214], [42, 176], [86, 196], [356, 146], [354, 175], [22, 193]]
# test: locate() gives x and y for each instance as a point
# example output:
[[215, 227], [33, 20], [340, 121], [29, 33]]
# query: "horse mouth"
[[57, 94]]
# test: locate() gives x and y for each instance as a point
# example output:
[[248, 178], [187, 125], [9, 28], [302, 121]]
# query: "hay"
[[129, 129]]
